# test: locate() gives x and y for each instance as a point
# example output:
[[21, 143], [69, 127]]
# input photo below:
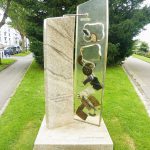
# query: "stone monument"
[[63, 127]]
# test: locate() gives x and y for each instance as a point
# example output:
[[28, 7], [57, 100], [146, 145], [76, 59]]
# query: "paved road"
[[139, 72], [10, 78]]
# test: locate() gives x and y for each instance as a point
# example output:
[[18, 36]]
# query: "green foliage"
[[2, 4], [5, 5], [113, 51], [141, 48], [142, 57], [136, 45], [144, 47], [148, 54], [37, 48], [127, 18], [37, 11], [19, 21]]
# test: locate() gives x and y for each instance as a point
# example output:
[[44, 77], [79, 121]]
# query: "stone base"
[[74, 136]]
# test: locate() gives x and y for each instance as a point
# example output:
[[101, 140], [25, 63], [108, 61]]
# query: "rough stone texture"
[[58, 59], [74, 136]]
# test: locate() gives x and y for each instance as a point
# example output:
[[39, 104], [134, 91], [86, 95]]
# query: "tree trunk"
[[0, 60], [23, 42], [5, 13]]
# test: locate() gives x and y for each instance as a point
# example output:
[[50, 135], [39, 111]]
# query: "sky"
[[145, 34]]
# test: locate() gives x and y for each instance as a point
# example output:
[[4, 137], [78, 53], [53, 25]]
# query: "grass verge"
[[24, 53], [20, 123], [123, 113], [141, 57], [6, 63]]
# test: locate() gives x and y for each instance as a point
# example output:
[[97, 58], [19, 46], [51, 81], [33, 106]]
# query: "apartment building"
[[9, 36]]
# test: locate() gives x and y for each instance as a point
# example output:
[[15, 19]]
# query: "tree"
[[144, 47], [37, 12], [136, 44], [127, 18], [5, 5], [18, 16]]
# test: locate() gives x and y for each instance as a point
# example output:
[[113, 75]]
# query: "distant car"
[[18, 49], [13, 49], [8, 51]]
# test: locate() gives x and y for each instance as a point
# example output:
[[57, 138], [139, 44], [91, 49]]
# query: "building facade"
[[9, 36]]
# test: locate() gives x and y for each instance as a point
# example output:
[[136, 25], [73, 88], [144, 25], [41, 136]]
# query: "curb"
[[138, 89]]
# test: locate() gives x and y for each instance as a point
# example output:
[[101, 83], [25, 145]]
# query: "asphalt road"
[[139, 72], [11, 77]]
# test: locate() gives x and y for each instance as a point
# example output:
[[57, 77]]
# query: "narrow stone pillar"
[[58, 65]]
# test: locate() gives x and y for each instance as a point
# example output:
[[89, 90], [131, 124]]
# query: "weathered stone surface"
[[58, 64], [74, 136]]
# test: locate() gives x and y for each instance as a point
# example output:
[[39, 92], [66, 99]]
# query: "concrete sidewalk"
[[139, 73], [11, 77]]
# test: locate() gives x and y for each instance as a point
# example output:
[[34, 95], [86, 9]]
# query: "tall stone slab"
[[58, 65]]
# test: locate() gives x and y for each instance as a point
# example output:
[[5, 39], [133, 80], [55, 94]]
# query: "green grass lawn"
[[142, 58], [24, 53], [20, 123], [123, 113], [6, 63]]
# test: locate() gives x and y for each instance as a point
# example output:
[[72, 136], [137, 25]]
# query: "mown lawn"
[[142, 58], [6, 63], [123, 113], [24, 53], [20, 123]]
